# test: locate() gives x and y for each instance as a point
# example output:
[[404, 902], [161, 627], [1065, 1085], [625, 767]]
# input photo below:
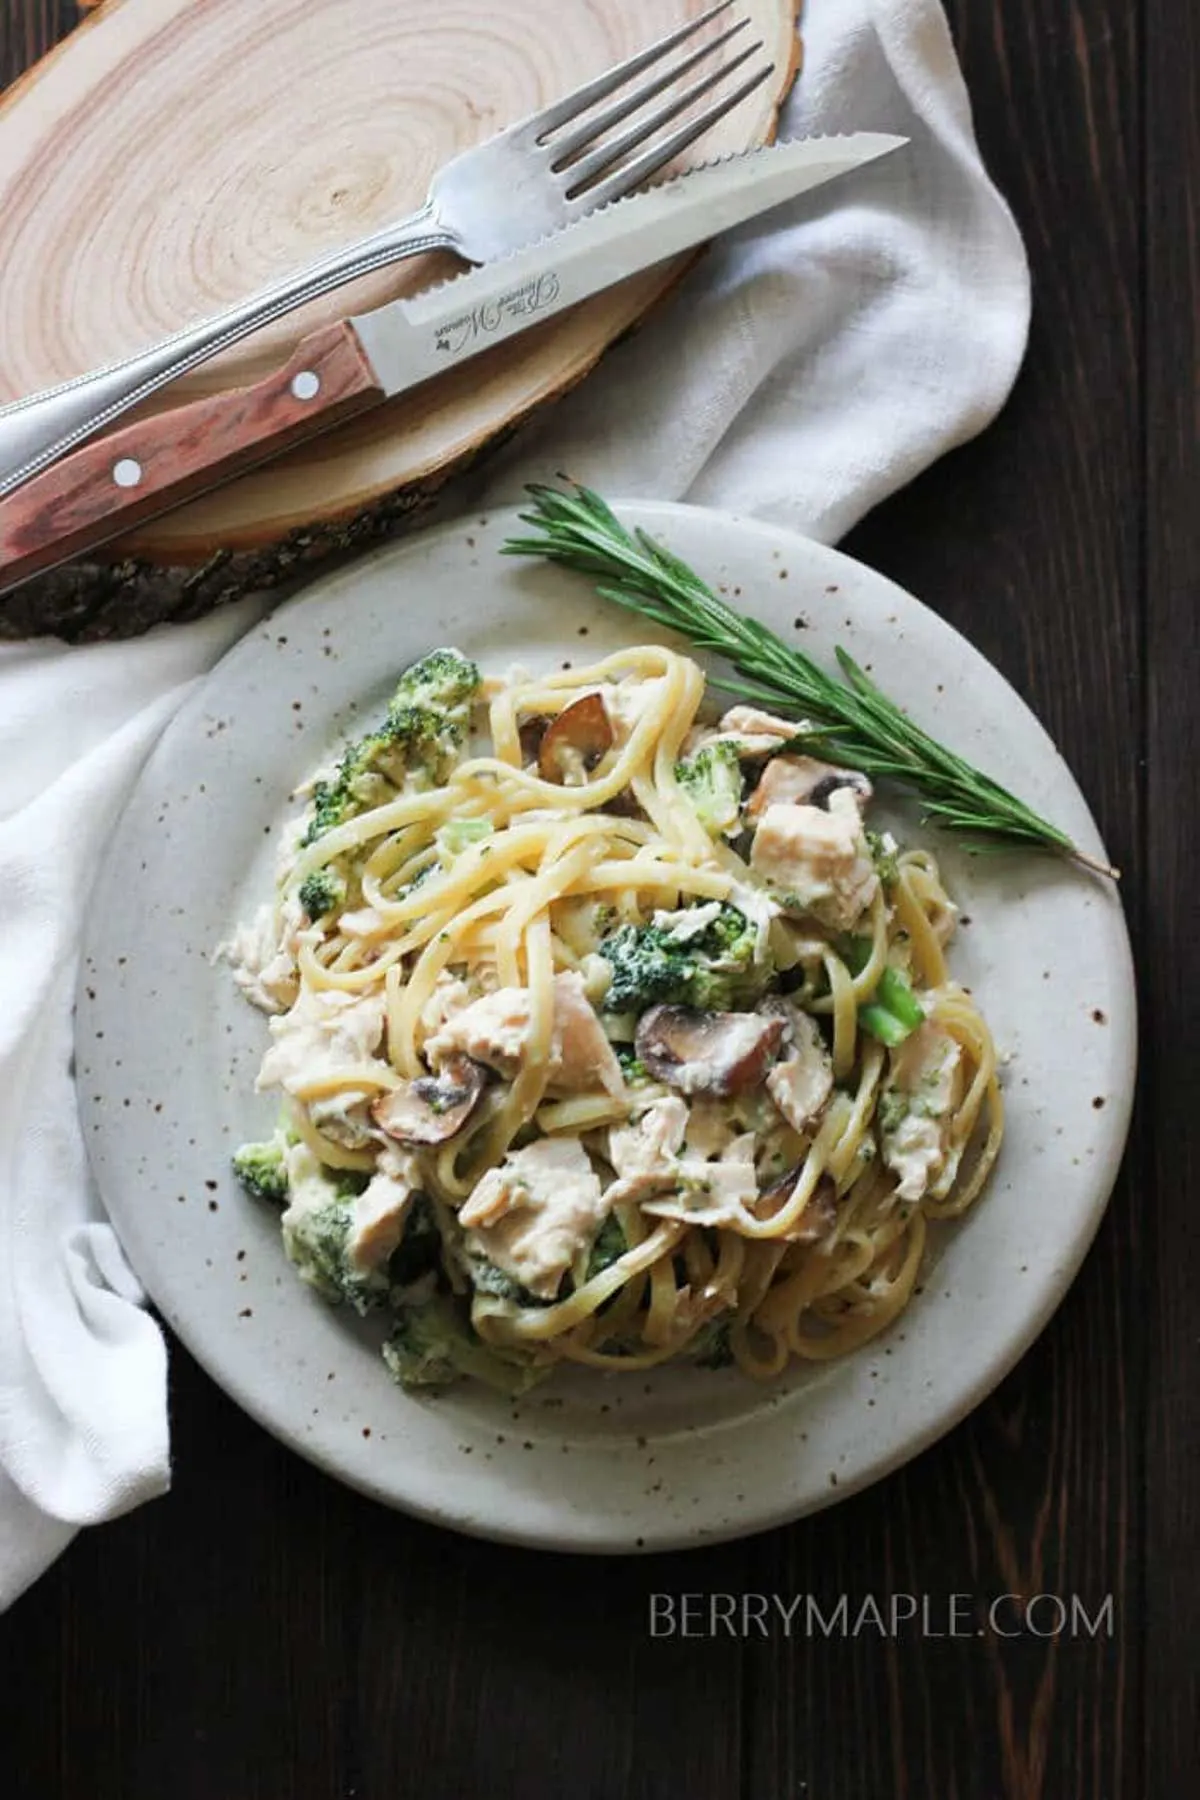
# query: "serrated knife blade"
[[115, 482], [408, 341]]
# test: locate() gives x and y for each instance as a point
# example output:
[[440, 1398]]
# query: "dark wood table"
[[264, 1632]]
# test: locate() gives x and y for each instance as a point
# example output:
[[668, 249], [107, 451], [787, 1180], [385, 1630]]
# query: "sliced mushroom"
[[530, 733], [804, 781], [707, 1052], [854, 779], [575, 741], [625, 805], [432, 1109], [819, 1215]]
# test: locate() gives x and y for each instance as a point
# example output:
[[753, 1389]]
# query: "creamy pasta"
[[608, 1033]]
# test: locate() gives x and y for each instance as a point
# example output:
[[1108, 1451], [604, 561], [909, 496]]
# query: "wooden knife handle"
[[100, 491]]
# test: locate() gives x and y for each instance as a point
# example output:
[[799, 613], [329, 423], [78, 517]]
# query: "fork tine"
[[582, 171], [631, 175], [593, 127], [571, 105]]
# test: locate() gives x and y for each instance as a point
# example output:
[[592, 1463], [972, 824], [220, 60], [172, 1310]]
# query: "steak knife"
[[115, 482]]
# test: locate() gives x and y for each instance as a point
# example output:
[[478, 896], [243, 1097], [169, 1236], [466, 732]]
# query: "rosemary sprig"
[[849, 720]]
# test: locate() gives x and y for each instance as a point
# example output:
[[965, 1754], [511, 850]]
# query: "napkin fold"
[[819, 357], [812, 363]]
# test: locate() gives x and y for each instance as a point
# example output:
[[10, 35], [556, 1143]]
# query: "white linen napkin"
[[811, 364]]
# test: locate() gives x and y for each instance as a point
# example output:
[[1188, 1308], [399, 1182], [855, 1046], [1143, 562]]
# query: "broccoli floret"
[[459, 834], [322, 892], [647, 964], [712, 782], [418, 743], [731, 936], [609, 1245], [632, 1067], [716, 970], [425, 728], [316, 1227], [420, 1247], [357, 783], [445, 679], [495, 1283], [711, 1348], [884, 854], [892, 1110], [729, 974], [419, 1352], [315, 1242], [432, 1346], [262, 1169]]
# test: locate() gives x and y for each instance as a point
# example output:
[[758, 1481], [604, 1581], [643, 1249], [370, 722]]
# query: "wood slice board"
[[173, 155]]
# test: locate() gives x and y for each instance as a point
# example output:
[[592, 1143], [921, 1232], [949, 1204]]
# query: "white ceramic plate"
[[167, 1053]]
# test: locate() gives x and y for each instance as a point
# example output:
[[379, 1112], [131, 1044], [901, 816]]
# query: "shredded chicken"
[[658, 1166], [535, 1213], [262, 954], [450, 996], [756, 733], [710, 1127], [324, 1033], [817, 862], [495, 1030], [379, 1212], [364, 921], [648, 1151], [803, 781], [712, 1193], [760, 910], [802, 1080], [688, 923], [916, 1110]]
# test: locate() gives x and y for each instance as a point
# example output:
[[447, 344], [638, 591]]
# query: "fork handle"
[[35, 432]]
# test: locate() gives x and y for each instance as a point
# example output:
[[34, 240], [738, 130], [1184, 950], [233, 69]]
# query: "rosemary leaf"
[[850, 720]]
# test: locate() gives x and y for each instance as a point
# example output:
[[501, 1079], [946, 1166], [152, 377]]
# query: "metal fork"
[[542, 173]]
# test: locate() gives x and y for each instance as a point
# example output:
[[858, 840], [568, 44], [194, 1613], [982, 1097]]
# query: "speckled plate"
[[167, 1054]]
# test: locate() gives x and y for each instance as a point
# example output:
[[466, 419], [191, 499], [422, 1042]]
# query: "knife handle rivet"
[[127, 472], [306, 385]]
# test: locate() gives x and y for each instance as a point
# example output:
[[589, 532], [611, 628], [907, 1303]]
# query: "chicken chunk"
[[379, 1212], [916, 1111], [535, 1213], [450, 996], [262, 954], [805, 781], [711, 1193], [817, 862], [659, 1167], [802, 1080], [645, 1155], [756, 733], [582, 1057], [325, 1033], [495, 1030]]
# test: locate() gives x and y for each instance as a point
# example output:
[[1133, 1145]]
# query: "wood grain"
[[128, 210], [275, 1634], [1168, 1238]]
